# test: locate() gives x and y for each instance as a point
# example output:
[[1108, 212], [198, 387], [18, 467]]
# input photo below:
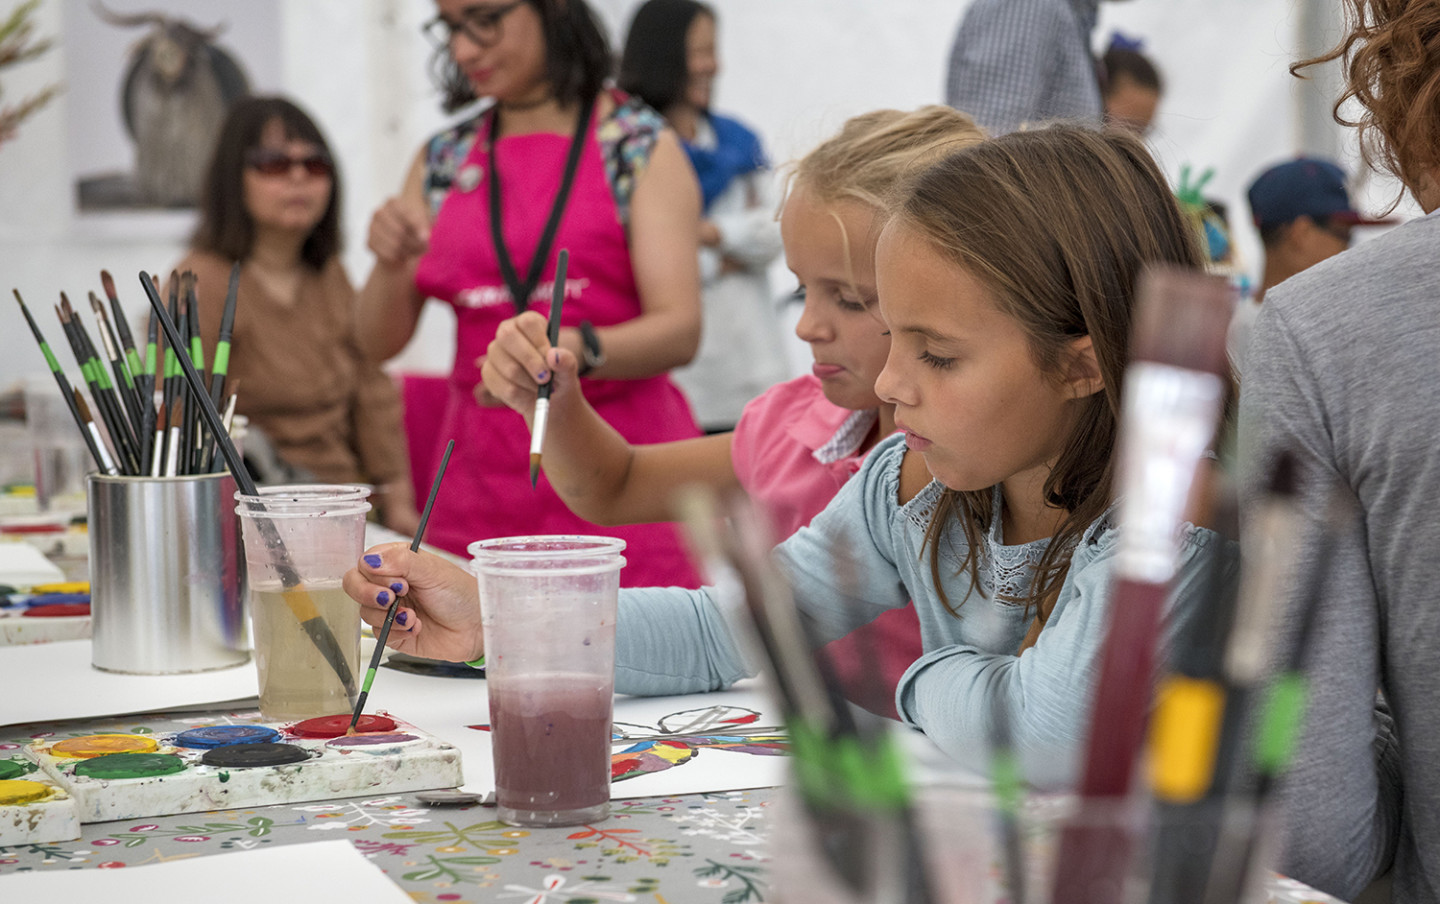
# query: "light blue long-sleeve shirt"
[[673, 641]]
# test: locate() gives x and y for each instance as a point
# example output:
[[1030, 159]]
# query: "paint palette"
[[46, 614], [34, 809], [175, 766]]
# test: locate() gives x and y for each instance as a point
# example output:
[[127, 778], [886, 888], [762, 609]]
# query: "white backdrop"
[[794, 69]]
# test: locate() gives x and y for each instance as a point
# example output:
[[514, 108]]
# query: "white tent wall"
[[794, 69]]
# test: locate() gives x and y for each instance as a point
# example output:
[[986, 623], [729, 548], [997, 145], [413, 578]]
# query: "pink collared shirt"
[[793, 449]]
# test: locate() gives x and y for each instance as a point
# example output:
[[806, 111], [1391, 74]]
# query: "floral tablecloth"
[[701, 848], [690, 849]]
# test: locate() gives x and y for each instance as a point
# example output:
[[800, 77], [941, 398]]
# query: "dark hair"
[[1057, 223], [225, 226], [577, 56], [1132, 64], [653, 66]]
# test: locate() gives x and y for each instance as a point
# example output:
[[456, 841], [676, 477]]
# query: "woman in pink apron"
[[555, 162]]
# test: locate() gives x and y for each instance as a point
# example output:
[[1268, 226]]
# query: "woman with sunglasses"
[[271, 201], [554, 160]]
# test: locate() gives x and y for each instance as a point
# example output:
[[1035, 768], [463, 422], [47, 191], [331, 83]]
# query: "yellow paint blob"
[[103, 745], [18, 792]]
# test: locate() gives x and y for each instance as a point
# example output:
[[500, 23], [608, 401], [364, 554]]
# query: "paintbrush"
[[384, 634], [157, 444], [107, 464], [172, 439], [193, 429], [542, 399], [1272, 727], [95, 379], [1186, 749], [1173, 393], [122, 326], [228, 419], [221, 365], [110, 393], [65, 392], [124, 382], [299, 602]]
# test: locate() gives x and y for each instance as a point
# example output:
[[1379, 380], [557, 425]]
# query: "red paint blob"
[[335, 726], [57, 610]]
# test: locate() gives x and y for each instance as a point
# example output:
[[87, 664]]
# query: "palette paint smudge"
[[173, 765]]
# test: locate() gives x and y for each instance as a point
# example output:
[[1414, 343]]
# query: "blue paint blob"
[[224, 735]]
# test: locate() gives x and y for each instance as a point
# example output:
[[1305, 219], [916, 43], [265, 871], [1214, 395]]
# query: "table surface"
[[698, 848]]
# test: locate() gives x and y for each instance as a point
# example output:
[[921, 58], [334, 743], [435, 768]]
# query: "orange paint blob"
[[103, 745]]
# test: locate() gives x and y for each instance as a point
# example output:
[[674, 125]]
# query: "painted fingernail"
[[403, 617], [543, 375], [383, 597], [397, 587], [372, 560]]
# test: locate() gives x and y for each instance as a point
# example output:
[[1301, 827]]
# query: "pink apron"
[[487, 485]]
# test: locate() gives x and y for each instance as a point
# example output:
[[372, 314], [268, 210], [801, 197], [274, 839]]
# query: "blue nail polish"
[[372, 560], [402, 617], [397, 587], [383, 597]]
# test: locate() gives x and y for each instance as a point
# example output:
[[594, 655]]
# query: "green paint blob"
[[11, 769], [130, 765], [224, 777]]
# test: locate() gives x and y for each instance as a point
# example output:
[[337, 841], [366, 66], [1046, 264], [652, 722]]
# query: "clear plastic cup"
[[299, 542], [61, 458], [548, 608]]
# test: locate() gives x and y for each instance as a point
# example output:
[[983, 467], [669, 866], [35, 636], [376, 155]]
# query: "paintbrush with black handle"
[[384, 633], [294, 594]]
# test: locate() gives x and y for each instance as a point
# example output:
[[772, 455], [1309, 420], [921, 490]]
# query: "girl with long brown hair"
[[1006, 275]]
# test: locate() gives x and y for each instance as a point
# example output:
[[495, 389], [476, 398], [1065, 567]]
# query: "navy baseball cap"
[[1303, 187]]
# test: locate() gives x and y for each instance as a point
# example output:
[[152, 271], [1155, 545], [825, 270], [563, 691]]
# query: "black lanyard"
[[520, 292]]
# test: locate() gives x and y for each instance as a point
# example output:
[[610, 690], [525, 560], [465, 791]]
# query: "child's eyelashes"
[[849, 304], [936, 361]]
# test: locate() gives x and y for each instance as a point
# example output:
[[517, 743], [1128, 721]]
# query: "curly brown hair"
[[1391, 59]]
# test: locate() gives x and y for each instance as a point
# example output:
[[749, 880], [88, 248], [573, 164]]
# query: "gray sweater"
[[1344, 370]]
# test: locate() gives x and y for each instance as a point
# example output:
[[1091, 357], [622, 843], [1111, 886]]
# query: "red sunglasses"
[[268, 162]]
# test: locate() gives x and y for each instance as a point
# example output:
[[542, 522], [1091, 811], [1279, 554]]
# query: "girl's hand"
[[439, 615], [398, 232], [520, 359]]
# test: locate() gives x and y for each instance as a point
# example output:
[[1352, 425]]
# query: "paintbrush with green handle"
[[384, 633], [295, 596], [65, 391]]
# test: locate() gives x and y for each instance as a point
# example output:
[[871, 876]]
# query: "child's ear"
[[1082, 369]]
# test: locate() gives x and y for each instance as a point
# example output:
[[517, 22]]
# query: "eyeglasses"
[[481, 24], [269, 162]]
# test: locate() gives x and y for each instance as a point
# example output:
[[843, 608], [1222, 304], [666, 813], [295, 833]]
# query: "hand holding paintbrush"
[[542, 401], [384, 634]]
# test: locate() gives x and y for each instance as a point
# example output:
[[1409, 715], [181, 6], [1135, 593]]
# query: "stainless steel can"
[[167, 577]]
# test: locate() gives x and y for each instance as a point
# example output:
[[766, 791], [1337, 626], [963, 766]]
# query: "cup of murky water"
[[548, 606], [299, 542]]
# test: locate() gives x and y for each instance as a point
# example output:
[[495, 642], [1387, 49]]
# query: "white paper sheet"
[[57, 681], [316, 871], [446, 707], [23, 565]]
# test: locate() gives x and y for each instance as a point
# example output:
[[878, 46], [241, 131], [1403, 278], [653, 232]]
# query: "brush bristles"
[[1182, 318], [534, 469]]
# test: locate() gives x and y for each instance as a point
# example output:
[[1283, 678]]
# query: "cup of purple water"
[[547, 604]]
